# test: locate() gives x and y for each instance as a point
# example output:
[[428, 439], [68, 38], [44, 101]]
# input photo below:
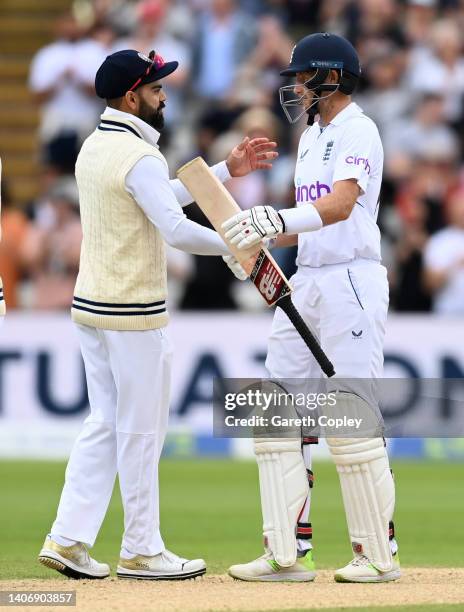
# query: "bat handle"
[[292, 313]]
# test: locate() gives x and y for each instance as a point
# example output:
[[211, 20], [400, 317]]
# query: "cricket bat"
[[218, 205]]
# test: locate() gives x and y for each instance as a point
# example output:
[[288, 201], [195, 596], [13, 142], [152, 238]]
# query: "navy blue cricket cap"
[[126, 70]]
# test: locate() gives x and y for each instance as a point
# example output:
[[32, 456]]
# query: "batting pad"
[[284, 487], [368, 495]]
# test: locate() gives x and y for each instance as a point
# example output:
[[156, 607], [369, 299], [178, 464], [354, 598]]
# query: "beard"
[[155, 118]]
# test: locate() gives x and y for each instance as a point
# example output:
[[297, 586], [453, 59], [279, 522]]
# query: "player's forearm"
[[149, 184], [184, 197], [332, 210], [184, 234], [337, 206], [193, 238], [285, 240], [249, 227], [328, 209]]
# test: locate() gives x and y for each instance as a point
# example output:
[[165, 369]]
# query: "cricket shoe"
[[72, 561], [165, 566], [266, 569], [360, 569]]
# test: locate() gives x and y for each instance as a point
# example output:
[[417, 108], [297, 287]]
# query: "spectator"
[[119, 14], [14, 231], [151, 33], [425, 135], [90, 53], [335, 16], [384, 99], [225, 38], [62, 84], [418, 20], [370, 23], [440, 68], [258, 79], [432, 177], [230, 53], [408, 293], [444, 261], [52, 247]]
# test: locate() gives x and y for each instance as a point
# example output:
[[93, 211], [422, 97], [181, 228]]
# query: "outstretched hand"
[[249, 155]]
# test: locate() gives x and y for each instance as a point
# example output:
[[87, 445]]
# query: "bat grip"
[[292, 313]]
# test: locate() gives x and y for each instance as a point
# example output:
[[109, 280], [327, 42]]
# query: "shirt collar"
[[352, 110], [149, 133]]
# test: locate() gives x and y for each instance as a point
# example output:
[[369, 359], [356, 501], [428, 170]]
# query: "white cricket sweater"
[[121, 283]]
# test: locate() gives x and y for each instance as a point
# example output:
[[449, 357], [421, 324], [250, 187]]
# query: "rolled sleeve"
[[355, 154]]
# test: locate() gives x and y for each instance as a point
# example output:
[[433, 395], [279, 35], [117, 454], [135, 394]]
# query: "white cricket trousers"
[[128, 378], [346, 306]]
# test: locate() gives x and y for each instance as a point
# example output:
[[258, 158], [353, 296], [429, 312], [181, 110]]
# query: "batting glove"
[[249, 227], [236, 268]]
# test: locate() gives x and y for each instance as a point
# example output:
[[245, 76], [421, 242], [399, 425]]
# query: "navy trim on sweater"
[[115, 305], [150, 308], [118, 313], [120, 125]]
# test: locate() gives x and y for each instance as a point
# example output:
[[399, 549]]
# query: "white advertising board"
[[42, 385]]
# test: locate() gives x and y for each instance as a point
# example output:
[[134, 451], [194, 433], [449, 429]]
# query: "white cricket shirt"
[[349, 147]]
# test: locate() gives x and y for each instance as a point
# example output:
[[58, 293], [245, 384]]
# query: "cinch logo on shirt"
[[311, 193], [363, 161]]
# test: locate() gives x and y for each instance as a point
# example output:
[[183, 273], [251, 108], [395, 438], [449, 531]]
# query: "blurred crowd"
[[230, 53]]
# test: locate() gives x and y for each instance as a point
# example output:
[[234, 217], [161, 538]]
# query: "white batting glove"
[[249, 227], [236, 268]]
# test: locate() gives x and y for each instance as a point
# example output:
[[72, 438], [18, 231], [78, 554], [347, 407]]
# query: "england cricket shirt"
[[349, 147]]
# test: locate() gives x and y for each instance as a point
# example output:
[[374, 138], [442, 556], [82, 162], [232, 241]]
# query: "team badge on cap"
[[144, 57]]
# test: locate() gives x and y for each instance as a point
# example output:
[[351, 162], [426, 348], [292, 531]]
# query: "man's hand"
[[250, 227], [249, 155], [236, 268]]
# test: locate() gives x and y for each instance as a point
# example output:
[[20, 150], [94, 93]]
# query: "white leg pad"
[[284, 487], [368, 495]]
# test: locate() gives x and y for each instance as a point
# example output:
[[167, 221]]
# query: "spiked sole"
[[67, 570], [387, 577], [147, 576], [276, 578]]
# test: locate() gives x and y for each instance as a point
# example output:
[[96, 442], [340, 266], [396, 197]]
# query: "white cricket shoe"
[[165, 566], [266, 569], [360, 569], [72, 561]]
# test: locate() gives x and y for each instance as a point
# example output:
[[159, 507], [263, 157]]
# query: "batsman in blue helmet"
[[341, 290], [315, 55]]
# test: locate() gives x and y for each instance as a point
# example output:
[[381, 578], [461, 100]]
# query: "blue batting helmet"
[[326, 52]]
